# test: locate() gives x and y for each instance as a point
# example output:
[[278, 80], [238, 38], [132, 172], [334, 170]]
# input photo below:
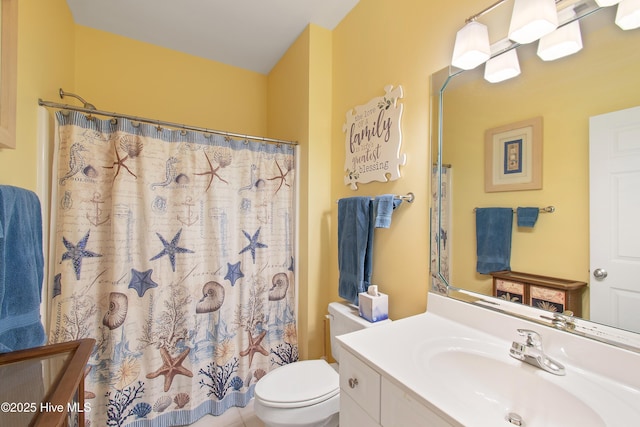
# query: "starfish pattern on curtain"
[[185, 281]]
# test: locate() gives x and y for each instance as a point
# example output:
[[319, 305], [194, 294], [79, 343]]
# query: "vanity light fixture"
[[472, 46], [502, 67], [562, 42], [628, 14], [532, 19]]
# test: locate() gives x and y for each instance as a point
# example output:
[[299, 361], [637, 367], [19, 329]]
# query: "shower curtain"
[[175, 251], [440, 229]]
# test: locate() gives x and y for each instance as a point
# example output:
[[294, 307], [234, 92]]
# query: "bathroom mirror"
[[565, 93]]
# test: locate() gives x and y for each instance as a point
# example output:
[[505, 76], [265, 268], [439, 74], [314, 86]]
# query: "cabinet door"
[[352, 415], [361, 383], [399, 409]]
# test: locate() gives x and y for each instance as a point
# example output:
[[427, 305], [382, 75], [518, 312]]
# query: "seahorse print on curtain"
[[175, 251]]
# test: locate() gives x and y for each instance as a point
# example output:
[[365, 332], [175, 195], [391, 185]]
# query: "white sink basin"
[[481, 375], [454, 360]]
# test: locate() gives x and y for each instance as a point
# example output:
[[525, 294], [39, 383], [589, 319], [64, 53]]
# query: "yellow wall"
[[45, 63], [558, 245], [300, 109], [119, 74], [320, 201], [382, 43]]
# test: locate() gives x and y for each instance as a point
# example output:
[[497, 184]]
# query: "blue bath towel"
[[355, 246], [21, 269], [384, 206], [493, 239], [527, 217]]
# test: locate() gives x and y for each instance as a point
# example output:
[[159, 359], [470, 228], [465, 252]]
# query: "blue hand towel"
[[527, 217], [493, 239], [355, 246], [21, 269], [384, 206]]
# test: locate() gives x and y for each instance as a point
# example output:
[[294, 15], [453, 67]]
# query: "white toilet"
[[307, 393]]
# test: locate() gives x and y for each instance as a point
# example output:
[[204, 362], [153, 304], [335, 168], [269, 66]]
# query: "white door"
[[614, 141]]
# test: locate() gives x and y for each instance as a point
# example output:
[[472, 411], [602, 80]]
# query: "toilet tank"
[[344, 318]]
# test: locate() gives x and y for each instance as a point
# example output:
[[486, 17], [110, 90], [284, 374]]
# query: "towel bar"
[[409, 197], [548, 209]]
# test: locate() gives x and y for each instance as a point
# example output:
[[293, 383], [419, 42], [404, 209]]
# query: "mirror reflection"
[[599, 79]]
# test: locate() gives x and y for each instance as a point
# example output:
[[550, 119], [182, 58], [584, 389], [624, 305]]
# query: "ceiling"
[[250, 34]]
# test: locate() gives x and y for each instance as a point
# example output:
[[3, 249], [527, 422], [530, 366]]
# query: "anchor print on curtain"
[[175, 251]]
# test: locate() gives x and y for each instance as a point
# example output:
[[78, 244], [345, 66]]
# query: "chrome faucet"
[[532, 353]]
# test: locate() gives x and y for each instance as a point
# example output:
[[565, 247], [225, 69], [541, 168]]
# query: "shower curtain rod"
[[158, 122]]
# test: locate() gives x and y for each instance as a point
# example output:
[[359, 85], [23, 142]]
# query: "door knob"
[[600, 273]]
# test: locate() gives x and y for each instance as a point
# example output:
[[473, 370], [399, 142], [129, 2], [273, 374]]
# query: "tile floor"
[[233, 417]]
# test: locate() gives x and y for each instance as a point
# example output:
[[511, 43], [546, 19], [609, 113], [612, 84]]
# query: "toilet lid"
[[298, 384]]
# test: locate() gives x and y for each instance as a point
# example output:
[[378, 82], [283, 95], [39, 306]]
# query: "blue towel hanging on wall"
[[383, 209], [355, 246], [21, 269], [493, 239], [527, 217]]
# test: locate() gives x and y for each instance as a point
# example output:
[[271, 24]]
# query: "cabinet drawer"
[[547, 299], [399, 409], [361, 383]]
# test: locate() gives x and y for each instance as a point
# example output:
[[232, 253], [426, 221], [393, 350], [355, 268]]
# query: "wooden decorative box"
[[548, 293]]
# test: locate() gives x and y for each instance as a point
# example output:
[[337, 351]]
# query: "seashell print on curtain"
[[175, 251]]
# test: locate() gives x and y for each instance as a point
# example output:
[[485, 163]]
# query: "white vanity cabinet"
[[368, 399], [399, 409], [359, 392]]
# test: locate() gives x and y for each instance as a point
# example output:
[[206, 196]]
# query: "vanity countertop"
[[447, 353]]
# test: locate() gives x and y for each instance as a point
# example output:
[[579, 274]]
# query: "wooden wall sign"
[[373, 138]]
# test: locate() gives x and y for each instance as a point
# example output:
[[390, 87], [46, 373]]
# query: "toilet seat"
[[298, 384]]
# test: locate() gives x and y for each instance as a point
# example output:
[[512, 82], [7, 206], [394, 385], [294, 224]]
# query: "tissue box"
[[373, 308]]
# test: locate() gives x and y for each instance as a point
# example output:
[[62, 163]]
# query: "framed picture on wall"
[[513, 157]]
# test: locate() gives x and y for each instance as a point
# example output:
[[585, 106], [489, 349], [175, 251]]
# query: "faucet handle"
[[533, 339]]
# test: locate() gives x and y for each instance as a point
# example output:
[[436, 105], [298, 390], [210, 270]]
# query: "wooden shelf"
[[548, 293]]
